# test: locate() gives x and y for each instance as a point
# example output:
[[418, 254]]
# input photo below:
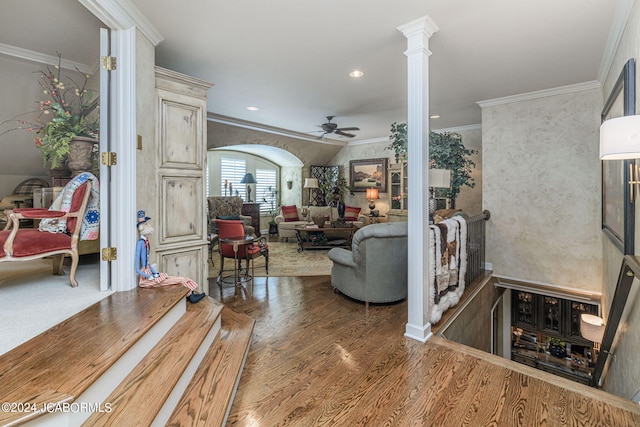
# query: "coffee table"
[[324, 238]]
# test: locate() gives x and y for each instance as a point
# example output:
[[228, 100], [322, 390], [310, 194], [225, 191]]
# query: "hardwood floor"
[[319, 358]]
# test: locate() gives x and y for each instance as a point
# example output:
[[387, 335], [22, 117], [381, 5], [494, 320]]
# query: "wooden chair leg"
[[74, 266], [266, 261], [219, 280], [57, 265]]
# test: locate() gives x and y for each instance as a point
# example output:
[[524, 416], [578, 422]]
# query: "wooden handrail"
[[629, 270]]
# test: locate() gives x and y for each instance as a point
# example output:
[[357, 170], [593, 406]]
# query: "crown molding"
[[41, 58], [477, 126], [368, 141], [122, 15], [562, 90], [231, 121], [618, 25]]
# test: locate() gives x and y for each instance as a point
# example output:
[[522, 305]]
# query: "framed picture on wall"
[[368, 173], [618, 212]]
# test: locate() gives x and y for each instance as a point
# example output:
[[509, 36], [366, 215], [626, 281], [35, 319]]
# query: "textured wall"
[[623, 377], [469, 199], [541, 182]]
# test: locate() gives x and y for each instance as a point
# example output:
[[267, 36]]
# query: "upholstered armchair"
[[375, 269], [248, 252], [60, 229], [228, 208]]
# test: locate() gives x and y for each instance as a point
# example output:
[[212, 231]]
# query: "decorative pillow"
[[229, 217], [290, 213], [351, 213]]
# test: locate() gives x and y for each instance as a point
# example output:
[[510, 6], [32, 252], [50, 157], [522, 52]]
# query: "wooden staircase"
[[143, 357]]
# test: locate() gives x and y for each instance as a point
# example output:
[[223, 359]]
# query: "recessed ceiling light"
[[252, 108], [435, 116], [356, 74]]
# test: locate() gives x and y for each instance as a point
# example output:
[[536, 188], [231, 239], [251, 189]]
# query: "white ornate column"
[[418, 33]]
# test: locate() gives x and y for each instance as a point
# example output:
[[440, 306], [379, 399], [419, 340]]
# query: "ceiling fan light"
[[356, 73]]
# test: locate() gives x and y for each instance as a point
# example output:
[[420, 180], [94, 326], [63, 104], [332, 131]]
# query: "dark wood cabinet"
[[253, 210], [546, 334]]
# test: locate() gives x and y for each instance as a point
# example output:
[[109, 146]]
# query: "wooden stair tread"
[[66, 359], [141, 395], [209, 395]]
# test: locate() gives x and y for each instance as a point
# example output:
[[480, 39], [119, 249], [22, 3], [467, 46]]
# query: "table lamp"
[[310, 183], [438, 178], [248, 179], [371, 195]]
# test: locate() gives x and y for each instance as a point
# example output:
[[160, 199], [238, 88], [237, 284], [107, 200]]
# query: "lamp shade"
[[591, 327], [372, 194], [620, 138], [311, 183], [439, 178], [248, 178]]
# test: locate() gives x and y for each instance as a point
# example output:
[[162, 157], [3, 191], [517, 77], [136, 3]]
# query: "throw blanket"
[[448, 257], [90, 229]]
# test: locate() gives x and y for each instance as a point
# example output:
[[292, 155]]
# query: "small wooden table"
[[236, 241], [324, 238]]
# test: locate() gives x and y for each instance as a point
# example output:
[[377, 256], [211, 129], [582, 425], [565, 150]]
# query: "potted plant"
[[398, 139], [332, 187], [446, 151], [270, 197], [67, 113]]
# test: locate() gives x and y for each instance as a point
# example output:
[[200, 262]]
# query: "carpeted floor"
[[32, 299], [285, 261]]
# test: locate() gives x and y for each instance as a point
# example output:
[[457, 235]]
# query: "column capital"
[[421, 26]]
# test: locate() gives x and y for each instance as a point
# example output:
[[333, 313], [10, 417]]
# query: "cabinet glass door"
[[551, 315], [577, 308], [524, 313]]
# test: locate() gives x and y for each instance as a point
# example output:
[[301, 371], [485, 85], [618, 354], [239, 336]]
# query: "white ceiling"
[[291, 58]]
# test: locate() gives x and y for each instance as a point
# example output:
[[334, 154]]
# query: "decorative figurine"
[[149, 276]]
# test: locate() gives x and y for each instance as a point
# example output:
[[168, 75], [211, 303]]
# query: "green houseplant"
[[446, 151], [270, 197]]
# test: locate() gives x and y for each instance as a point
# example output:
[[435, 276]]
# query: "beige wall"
[[308, 152], [20, 158], [623, 377], [469, 199], [541, 182]]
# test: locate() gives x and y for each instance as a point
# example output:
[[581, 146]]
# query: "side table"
[[253, 210], [375, 219]]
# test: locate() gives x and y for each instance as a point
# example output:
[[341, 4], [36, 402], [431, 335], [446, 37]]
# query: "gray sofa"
[[375, 269]]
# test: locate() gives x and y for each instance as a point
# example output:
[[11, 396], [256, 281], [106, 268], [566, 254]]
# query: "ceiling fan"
[[330, 127]]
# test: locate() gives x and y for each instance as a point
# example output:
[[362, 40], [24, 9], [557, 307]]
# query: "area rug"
[[285, 261]]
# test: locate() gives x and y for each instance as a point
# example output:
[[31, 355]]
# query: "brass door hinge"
[[109, 158], [109, 254], [109, 63]]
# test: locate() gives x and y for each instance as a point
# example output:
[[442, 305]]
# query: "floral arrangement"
[[64, 114], [395, 200]]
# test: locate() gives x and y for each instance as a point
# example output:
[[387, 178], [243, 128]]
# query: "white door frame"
[[122, 129]]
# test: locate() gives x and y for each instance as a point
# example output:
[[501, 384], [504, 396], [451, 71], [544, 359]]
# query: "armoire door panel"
[[181, 135], [182, 209]]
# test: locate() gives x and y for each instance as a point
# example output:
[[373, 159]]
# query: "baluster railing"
[[476, 232]]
